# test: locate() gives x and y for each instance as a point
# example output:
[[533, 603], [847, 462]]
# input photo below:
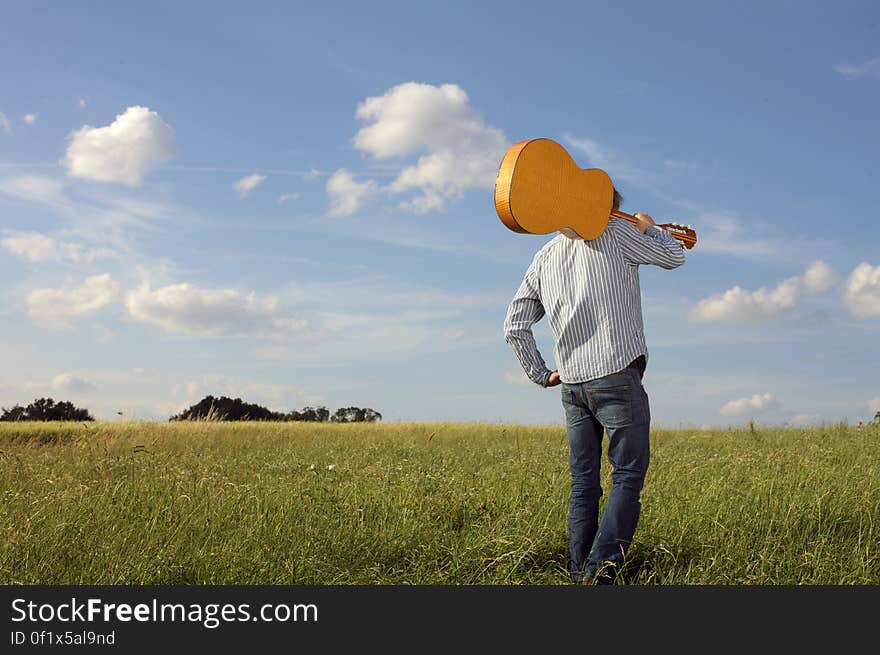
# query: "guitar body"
[[540, 189]]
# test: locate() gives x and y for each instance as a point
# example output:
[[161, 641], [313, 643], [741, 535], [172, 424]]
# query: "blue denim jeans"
[[616, 404]]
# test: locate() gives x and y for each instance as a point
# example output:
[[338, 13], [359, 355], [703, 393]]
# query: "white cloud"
[[40, 248], [738, 305], [819, 277], [722, 233], [92, 214], [38, 189], [374, 317], [5, 124], [640, 169], [428, 201], [83, 103], [517, 377], [456, 150], [801, 420], [357, 322], [284, 197], [596, 154], [29, 119], [874, 406], [212, 312], [601, 157], [861, 293], [756, 403], [72, 383], [340, 338], [247, 184], [870, 67], [277, 397], [57, 307], [387, 293], [347, 194], [124, 151], [313, 173]]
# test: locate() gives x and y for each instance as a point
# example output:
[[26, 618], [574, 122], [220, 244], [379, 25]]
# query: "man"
[[590, 293]]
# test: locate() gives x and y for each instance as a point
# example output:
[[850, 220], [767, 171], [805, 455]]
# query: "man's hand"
[[554, 379], [645, 221]]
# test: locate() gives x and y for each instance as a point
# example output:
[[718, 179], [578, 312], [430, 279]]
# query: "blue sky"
[[292, 203]]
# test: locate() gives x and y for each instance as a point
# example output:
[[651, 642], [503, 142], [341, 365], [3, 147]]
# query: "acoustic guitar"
[[540, 189]]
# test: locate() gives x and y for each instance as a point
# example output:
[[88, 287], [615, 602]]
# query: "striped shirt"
[[590, 293]]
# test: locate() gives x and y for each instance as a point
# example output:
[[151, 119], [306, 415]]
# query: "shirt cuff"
[[657, 230], [546, 378]]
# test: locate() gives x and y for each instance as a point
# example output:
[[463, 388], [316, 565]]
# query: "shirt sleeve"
[[525, 310], [656, 246]]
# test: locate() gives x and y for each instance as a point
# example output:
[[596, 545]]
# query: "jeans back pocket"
[[613, 406]]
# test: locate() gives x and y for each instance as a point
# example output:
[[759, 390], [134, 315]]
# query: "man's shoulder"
[[552, 245], [546, 251], [618, 225], [622, 227]]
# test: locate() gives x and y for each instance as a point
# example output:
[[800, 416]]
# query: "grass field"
[[299, 503]]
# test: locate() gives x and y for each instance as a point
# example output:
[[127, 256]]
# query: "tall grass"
[[293, 503]]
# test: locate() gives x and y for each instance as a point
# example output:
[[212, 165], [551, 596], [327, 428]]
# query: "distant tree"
[[356, 415], [877, 417], [223, 408], [318, 414], [210, 408], [13, 414], [46, 409]]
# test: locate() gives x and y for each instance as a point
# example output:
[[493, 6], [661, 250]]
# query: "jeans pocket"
[[573, 410], [613, 406], [640, 403]]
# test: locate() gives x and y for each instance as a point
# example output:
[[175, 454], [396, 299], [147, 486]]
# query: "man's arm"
[[525, 310], [647, 243]]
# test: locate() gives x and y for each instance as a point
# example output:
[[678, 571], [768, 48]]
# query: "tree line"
[[46, 409], [208, 408], [223, 408]]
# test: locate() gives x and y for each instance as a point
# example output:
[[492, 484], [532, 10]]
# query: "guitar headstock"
[[684, 233]]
